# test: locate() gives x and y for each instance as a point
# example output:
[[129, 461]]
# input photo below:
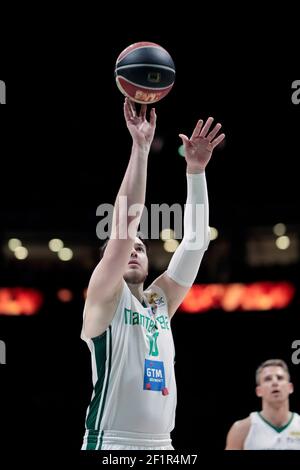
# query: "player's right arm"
[[237, 434], [106, 283]]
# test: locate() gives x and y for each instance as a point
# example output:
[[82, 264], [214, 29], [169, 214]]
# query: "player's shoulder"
[[242, 425], [237, 434], [296, 416]]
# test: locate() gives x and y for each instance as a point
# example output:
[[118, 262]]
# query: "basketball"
[[145, 72]]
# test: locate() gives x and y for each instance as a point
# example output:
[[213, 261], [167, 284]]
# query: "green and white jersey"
[[264, 436], [133, 370]]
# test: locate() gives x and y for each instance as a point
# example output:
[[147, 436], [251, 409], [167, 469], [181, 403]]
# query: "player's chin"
[[277, 397], [134, 276]]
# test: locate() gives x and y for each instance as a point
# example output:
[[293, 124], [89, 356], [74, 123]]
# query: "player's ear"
[[291, 388], [258, 391]]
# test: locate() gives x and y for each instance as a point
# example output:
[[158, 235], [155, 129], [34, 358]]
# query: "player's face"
[[137, 269], [274, 385]]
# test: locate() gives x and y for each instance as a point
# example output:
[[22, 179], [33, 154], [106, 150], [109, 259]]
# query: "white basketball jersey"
[[133, 370], [264, 436]]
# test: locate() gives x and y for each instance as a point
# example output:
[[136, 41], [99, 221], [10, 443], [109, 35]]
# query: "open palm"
[[198, 149]]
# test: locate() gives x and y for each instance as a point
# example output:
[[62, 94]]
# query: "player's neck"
[[278, 415], [137, 290]]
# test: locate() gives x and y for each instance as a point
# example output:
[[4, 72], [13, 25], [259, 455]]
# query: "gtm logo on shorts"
[[2, 92]]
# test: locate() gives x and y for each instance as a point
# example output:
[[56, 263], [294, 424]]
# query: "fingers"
[[206, 127], [214, 132], [143, 112], [129, 109], [183, 137], [217, 141], [133, 109], [152, 117], [185, 140], [197, 129]]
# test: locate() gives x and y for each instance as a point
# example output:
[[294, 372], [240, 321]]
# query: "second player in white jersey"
[[275, 427], [263, 435]]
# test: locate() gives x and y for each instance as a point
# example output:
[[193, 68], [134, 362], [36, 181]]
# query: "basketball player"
[[128, 328], [275, 427]]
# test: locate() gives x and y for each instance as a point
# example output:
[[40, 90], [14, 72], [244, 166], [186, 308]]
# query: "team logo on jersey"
[[155, 300]]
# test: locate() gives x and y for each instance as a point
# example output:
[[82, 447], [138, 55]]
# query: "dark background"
[[64, 149]]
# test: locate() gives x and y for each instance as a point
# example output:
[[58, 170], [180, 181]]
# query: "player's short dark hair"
[[139, 235], [268, 363]]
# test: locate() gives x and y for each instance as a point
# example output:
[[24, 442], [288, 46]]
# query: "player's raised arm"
[[107, 279], [185, 262]]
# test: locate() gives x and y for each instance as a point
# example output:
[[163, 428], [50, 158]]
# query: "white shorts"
[[123, 440]]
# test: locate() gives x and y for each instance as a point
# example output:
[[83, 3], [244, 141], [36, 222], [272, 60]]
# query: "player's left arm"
[[184, 265]]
